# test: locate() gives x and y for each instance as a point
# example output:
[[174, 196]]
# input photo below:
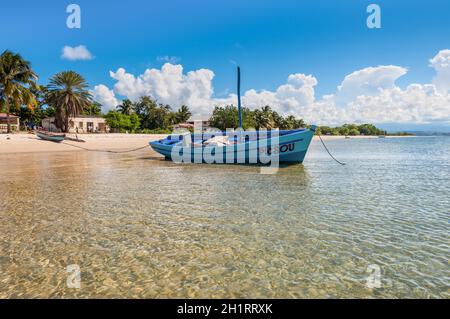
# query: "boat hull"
[[290, 147], [51, 137]]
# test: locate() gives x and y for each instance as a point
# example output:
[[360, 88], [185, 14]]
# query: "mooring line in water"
[[141, 148], [329, 153], [106, 151]]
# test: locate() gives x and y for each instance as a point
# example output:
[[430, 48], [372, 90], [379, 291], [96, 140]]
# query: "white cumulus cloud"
[[76, 53], [169, 86], [418, 103], [298, 92], [367, 95], [441, 63], [368, 81], [105, 97]]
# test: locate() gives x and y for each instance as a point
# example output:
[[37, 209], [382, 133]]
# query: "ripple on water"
[[139, 227]]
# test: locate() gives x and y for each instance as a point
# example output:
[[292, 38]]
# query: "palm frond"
[[68, 93]]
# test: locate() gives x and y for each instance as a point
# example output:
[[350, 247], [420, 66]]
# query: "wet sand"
[[29, 143]]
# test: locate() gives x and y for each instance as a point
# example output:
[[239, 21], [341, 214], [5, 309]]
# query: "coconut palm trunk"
[[8, 124]]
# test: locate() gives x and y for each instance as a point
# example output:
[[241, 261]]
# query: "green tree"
[[262, 119], [127, 107], [32, 115], [183, 114], [68, 94], [134, 122], [325, 130], [163, 117], [248, 118], [154, 116], [16, 81], [343, 130], [145, 105], [224, 117], [369, 129], [351, 129], [318, 131], [145, 109], [277, 120], [119, 122], [93, 109], [291, 123]]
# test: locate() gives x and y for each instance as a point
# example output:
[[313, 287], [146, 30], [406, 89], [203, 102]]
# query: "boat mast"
[[239, 96]]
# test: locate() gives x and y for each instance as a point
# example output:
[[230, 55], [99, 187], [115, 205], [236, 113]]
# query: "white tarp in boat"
[[217, 141]]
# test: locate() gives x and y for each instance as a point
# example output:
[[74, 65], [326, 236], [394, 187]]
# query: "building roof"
[[88, 117], [198, 118], [78, 117], [10, 115]]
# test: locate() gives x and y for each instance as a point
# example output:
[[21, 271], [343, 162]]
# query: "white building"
[[204, 122], [14, 122], [79, 124]]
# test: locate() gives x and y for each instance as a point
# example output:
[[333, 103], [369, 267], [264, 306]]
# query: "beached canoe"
[[289, 147], [48, 136]]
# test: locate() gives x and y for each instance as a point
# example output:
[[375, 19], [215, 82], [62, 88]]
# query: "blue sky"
[[268, 39]]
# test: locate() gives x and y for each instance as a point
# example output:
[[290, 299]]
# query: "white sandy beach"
[[29, 143]]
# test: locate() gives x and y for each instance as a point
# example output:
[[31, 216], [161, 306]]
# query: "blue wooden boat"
[[53, 137], [237, 147], [290, 147]]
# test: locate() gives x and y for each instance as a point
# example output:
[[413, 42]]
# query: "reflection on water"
[[141, 227]]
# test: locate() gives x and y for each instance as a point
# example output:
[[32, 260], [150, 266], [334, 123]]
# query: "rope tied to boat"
[[106, 151], [143, 147], [328, 151]]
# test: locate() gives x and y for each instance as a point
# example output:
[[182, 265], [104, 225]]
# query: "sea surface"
[[140, 227]]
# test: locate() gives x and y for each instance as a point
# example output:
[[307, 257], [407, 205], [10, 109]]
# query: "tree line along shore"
[[67, 95]]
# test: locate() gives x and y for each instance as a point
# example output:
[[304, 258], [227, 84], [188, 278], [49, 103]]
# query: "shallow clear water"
[[141, 227]]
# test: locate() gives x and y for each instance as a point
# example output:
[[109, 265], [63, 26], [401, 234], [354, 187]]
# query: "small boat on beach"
[[49, 136], [254, 148], [237, 146]]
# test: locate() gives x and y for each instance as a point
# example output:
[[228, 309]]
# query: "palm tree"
[[145, 108], [263, 118], [126, 107], [277, 120], [289, 122], [183, 114], [68, 94], [145, 105], [16, 81], [301, 123]]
